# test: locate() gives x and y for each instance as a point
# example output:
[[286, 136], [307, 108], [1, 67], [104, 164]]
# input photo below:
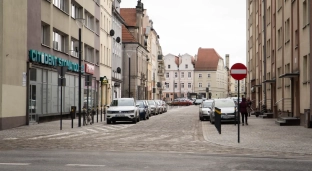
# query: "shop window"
[[33, 74]]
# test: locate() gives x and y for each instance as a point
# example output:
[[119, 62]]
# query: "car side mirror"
[[137, 105]]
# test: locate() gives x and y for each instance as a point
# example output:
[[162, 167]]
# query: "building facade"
[[278, 56], [43, 38], [234, 88], [210, 72], [117, 23], [107, 34], [135, 53]]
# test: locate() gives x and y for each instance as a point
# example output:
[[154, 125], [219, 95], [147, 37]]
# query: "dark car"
[[143, 109]]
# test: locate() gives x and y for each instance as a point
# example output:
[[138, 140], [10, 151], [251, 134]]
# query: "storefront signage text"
[[89, 69], [47, 59]]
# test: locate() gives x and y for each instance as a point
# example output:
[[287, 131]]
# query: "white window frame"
[[189, 85], [186, 66], [175, 74], [189, 74], [182, 74], [167, 74], [208, 75], [200, 84], [59, 41], [200, 75], [182, 85]]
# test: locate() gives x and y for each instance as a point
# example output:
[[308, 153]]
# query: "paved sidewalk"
[[261, 134]]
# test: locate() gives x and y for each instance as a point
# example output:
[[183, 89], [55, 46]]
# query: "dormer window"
[[186, 66]]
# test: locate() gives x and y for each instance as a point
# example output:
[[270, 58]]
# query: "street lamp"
[[80, 23]]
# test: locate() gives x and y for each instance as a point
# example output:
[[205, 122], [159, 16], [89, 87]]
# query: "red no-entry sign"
[[238, 71]]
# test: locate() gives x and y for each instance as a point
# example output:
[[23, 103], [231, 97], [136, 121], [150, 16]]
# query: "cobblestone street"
[[178, 130]]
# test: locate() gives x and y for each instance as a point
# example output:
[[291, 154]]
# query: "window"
[[97, 57], [189, 85], [199, 75], [168, 66], [279, 80], [287, 70], [74, 47], [97, 27], [280, 37], [189, 74], [167, 85], [61, 4], [279, 4], [186, 66], [175, 85], [167, 95], [208, 75], [182, 85], [59, 41], [287, 30], [167, 74], [305, 69], [268, 49], [76, 11], [268, 16], [235, 89], [200, 85], [305, 14], [208, 84], [45, 34], [89, 21], [176, 74], [89, 54], [182, 74]]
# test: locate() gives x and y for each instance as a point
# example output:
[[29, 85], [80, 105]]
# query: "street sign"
[[238, 71], [61, 71], [104, 80]]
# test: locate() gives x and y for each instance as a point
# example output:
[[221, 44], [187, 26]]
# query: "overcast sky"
[[184, 25]]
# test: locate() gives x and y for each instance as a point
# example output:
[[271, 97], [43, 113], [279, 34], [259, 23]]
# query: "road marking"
[[84, 165], [92, 130], [69, 136], [15, 164], [156, 138], [48, 136], [10, 138], [101, 129]]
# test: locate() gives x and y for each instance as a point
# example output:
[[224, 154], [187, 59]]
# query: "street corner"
[[261, 135]]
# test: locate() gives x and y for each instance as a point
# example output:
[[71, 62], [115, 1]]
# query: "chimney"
[[227, 61]]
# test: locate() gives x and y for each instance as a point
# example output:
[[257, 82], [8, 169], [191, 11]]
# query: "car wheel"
[[134, 120], [108, 121], [201, 119]]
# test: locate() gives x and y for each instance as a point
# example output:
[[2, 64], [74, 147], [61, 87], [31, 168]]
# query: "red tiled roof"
[[129, 15], [207, 60], [127, 36], [177, 60]]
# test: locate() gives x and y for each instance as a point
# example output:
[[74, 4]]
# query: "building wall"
[[116, 52], [106, 52], [169, 60], [13, 63], [186, 59], [287, 52]]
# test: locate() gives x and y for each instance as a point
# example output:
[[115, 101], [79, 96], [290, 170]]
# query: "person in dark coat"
[[243, 110], [249, 103]]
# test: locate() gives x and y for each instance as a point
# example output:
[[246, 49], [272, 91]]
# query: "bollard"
[[97, 113], [93, 113], [101, 113]]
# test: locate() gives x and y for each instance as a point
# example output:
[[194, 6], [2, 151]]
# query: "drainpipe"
[[310, 19], [264, 55]]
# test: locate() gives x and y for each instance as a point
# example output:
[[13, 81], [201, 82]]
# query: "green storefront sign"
[[47, 59]]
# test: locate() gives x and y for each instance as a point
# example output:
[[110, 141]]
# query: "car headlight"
[[130, 111]]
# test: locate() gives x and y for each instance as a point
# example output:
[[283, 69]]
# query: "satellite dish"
[[118, 70], [112, 32], [118, 39]]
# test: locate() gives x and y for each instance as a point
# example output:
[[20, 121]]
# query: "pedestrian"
[[249, 109], [243, 110]]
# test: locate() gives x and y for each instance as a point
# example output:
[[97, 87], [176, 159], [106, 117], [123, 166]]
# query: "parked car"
[[148, 108], [143, 109], [228, 110], [160, 106], [205, 109], [122, 109], [154, 107], [198, 101], [165, 106]]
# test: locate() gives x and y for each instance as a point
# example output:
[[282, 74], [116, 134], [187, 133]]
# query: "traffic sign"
[[238, 71]]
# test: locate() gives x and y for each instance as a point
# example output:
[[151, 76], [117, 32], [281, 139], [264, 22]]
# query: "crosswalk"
[[90, 130]]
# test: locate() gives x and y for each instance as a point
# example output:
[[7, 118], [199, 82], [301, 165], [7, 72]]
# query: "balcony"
[[160, 59], [161, 72]]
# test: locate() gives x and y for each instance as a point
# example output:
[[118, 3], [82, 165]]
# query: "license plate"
[[120, 115], [225, 116]]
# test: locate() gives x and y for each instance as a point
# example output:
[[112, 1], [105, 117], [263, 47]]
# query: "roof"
[[129, 15], [207, 60], [127, 36], [177, 60]]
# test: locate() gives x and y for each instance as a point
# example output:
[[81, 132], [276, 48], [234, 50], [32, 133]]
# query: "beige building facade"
[[278, 56], [106, 53], [44, 37], [210, 72]]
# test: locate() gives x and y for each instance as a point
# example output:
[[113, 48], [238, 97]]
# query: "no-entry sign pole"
[[238, 72]]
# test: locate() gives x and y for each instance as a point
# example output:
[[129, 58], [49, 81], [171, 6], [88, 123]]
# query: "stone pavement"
[[263, 135]]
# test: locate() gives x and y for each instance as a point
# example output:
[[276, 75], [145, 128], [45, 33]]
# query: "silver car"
[[228, 110], [154, 107], [123, 109], [205, 110]]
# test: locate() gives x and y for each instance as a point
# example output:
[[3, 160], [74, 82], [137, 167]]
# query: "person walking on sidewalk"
[[243, 110], [249, 106]]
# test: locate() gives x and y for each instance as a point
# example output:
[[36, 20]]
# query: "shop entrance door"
[[33, 92]]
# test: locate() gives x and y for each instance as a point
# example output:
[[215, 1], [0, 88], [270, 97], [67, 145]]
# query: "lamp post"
[[80, 23]]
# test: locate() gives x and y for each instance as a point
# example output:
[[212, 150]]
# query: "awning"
[[289, 75], [269, 81]]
